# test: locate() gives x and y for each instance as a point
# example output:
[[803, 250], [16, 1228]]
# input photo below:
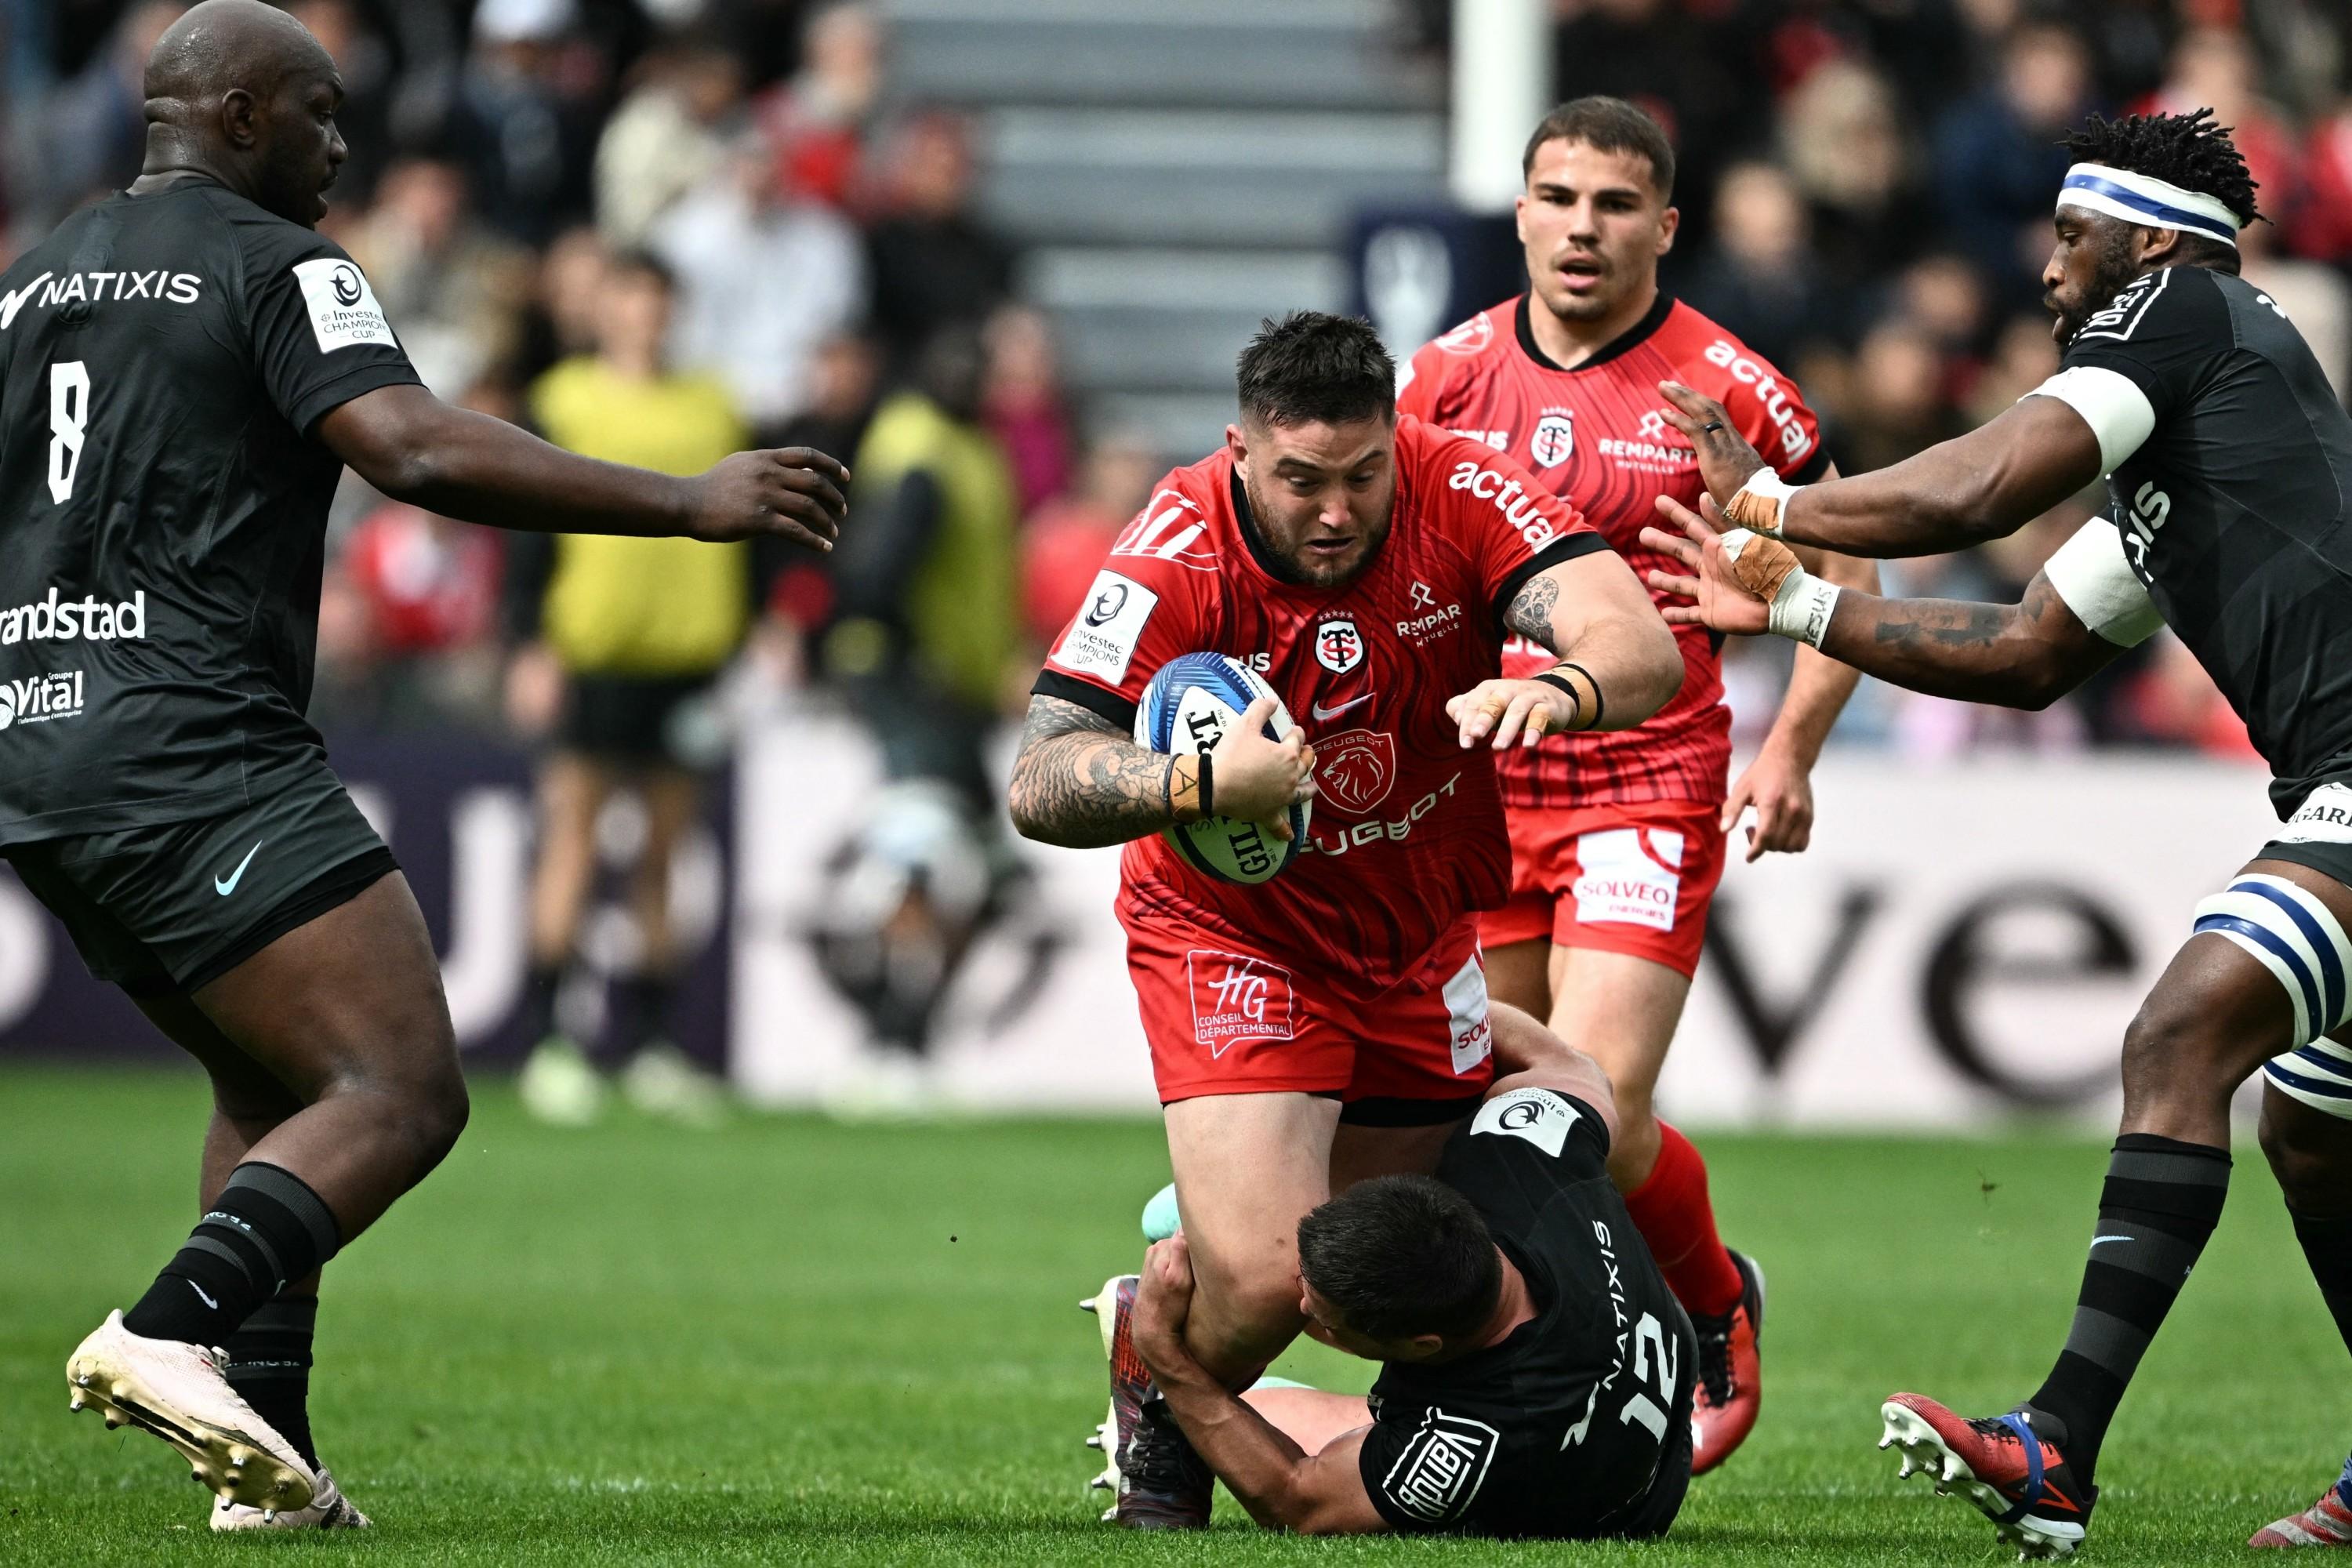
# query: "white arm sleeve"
[[2089, 572], [2116, 410]]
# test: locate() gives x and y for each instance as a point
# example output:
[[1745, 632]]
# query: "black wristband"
[[1599, 707], [1208, 784], [1548, 679]]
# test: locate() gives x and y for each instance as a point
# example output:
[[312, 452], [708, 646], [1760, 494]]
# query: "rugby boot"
[[2327, 1523], [328, 1508], [1159, 1482], [177, 1391], [1730, 1391], [2014, 1475]]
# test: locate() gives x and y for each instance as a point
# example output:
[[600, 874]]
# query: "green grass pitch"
[[790, 1342]]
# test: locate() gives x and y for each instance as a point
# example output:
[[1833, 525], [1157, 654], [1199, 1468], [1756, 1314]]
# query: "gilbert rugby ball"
[[1186, 709]]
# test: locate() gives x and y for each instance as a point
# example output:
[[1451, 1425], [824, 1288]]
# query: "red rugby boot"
[[1159, 1482], [1730, 1393], [2014, 1475], [2327, 1523]]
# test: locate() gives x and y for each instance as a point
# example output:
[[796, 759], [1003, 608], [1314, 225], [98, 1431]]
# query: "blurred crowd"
[[1865, 189]]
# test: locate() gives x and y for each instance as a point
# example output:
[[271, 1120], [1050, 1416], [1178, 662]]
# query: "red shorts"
[[1227, 1021], [1630, 878]]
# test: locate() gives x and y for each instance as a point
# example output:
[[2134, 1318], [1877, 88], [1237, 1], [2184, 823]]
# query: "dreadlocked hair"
[[2186, 150]]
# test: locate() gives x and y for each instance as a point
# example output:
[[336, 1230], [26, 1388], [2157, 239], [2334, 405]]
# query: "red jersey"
[[1407, 834], [1596, 434]]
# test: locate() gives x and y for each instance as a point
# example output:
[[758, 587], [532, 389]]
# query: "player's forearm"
[[1634, 659], [1818, 686], [1259, 1464], [1947, 648], [1984, 485], [1086, 790], [480, 469]]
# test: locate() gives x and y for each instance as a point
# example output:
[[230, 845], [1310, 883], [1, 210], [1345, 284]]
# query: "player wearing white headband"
[[2228, 463]]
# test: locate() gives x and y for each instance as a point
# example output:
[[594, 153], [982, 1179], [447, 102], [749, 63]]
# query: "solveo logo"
[[87, 619], [38, 699]]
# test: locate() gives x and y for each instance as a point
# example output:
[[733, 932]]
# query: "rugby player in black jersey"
[[2228, 464], [1536, 1373], [185, 367]]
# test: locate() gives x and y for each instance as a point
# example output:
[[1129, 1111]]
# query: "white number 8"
[[68, 415]]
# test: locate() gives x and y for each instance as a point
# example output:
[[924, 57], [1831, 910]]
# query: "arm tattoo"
[[1530, 613], [1945, 623], [2016, 656], [1080, 781]]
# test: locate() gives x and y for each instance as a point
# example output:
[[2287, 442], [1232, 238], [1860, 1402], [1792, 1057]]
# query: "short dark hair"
[[1611, 125], [1400, 1256], [639, 262], [2186, 150], [1310, 366]]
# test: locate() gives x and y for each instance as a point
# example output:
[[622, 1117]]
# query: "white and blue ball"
[[1188, 709]]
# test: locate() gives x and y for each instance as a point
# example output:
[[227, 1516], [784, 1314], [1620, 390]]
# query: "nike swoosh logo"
[[12, 302], [2097, 1239], [226, 889], [1323, 714], [207, 1301]]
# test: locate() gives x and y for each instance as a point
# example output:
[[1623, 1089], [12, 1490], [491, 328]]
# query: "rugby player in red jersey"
[[1619, 838], [1331, 1024]]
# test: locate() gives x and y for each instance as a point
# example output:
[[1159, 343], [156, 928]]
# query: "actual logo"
[[1338, 646], [1553, 439], [1237, 997], [1354, 771], [1442, 1465]]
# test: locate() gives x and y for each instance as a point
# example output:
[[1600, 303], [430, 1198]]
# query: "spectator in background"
[[1023, 406], [1757, 277], [1997, 158], [1895, 406], [2322, 227], [1850, 152], [935, 264], [816, 123], [2215, 69], [1064, 543], [625, 636], [923, 646], [522, 120], [669, 136], [458, 288], [92, 131], [764, 275]]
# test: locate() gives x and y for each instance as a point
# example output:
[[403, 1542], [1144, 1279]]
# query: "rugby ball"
[[1187, 710]]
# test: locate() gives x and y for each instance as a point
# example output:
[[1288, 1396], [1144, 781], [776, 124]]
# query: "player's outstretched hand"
[[1164, 1303], [1782, 791], [1258, 780], [1719, 599], [1511, 710], [794, 491], [1726, 461]]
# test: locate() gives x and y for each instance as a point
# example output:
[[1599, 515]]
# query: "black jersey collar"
[[1631, 338]]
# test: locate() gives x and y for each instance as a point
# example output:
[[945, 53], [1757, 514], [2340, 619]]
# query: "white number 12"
[[69, 415]]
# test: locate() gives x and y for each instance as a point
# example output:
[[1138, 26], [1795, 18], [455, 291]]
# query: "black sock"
[[267, 1226], [2328, 1248], [538, 987], [269, 1363], [2160, 1202], [641, 1012]]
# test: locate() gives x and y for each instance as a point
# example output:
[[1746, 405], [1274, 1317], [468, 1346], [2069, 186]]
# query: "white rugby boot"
[[328, 1508], [176, 1391]]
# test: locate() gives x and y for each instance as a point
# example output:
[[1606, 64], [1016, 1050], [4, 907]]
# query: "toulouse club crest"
[[1338, 646], [1554, 438], [1355, 770]]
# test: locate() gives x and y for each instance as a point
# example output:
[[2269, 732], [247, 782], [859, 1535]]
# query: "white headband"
[[2146, 201]]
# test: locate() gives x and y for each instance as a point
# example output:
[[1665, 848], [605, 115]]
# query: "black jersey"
[[2235, 509], [164, 360], [1569, 1425]]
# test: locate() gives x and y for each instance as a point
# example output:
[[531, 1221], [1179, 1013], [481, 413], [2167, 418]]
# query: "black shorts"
[[166, 910], [630, 720]]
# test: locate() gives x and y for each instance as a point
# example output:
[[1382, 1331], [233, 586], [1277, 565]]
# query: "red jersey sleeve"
[[1421, 384], [1151, 602], [1511, 525], [1767, 410]]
